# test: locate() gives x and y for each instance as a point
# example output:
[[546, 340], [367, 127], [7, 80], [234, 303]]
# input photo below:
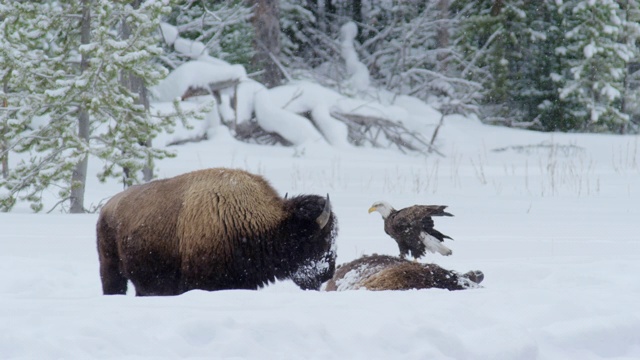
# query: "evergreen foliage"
[[551, 65], [67, 95], [60, 90], [223, 26], [397, 41], [596, 68]]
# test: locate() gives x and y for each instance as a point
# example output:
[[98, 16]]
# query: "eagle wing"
[[423, 215]]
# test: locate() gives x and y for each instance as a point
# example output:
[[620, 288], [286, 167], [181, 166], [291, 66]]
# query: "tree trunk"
[[496, 8], [329, 8], [356, 16], [136, 85], [79, 177], [267, 41], [4, 154], [356, 11], [442, 35]]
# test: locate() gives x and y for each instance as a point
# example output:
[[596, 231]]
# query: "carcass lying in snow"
[[383, 272]]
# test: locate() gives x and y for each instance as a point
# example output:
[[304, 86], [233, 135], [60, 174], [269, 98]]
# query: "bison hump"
[[224, 205]]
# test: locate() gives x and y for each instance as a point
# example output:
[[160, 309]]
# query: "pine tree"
[[79, 108], [535, 63], [24, 44], [597, 62], [550, 57], [309, 33], [630, 14], [550, 65], [500, 38], [224, 27], [405, 45]]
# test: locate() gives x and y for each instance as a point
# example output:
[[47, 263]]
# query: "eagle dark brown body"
[[213, 229], [383, 272], [413, 228]]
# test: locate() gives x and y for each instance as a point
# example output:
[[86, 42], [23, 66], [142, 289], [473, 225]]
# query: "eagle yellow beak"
[[372, 209]]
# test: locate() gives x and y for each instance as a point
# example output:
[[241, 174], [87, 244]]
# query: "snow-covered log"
[[196, 74], [299, 112], [293, 127]]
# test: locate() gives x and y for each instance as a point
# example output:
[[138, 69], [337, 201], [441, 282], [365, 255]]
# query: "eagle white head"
[[382, 207]]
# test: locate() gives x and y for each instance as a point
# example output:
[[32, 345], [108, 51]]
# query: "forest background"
[[77, 76]]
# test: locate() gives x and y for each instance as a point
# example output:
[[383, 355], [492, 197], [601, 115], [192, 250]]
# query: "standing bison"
[[213, 229]]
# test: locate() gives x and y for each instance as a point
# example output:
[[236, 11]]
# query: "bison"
[[383, 272], [213, 229]]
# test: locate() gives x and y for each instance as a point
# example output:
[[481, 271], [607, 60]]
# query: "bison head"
[[312, 229]]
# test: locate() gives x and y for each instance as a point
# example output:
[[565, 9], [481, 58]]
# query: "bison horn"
[[323, 219]]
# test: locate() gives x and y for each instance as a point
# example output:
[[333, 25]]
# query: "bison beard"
[[213, 229]]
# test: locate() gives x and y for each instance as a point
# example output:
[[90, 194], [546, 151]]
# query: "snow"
[[191, 48], [169, 32], [295, 128], [550, 218], [196, 73], [553, 225], [358, 72], [590, 50], [610, 92]]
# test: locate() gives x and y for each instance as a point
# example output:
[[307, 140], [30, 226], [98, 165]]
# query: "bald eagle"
[[412, 228]]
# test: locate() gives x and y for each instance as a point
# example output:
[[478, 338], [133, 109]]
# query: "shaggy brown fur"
[[212, 229], [382, 272]]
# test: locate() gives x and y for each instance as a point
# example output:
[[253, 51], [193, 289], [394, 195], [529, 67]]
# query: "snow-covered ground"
[[551, 219]]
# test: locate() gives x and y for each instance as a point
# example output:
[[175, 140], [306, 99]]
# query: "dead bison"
[[213, 229], [383, 272]]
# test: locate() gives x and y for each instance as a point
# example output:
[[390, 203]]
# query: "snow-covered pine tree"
[[534, 32], [593, 84], [79, 107], [630, 14], [403, 44], [308, 42], [224, 28], [15, 37], [25, 42], [502, 38], [403, 52], [549, 62], [412, 51]]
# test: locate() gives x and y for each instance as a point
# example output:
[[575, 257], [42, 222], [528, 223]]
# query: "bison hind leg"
[[161, 288], [153, 277], [113, 281]]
